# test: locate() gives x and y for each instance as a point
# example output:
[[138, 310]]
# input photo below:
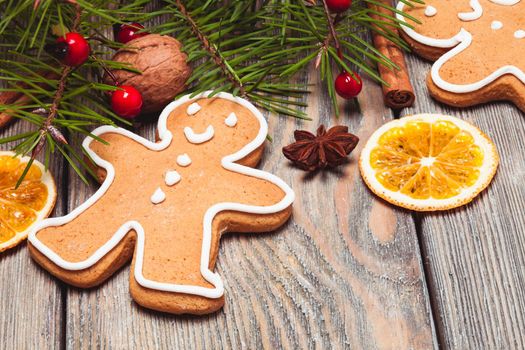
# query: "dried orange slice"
[[428, 162], [32, 201]]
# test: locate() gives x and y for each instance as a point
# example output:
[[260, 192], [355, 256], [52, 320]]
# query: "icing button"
[[496, 25], [172, 177], [183, 160], [158, 197]]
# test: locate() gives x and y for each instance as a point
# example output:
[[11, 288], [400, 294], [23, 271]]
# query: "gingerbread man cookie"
[[166, 205], [478, 45]]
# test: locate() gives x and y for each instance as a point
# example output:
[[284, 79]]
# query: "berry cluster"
[[73, 50]]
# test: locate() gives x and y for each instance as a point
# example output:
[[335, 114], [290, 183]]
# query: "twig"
[[53, 111], [47, 126], [78, 14], [328, 40], [217, 58], [331, 25]]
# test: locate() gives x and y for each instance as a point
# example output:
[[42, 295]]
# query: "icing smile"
[[194, 137]]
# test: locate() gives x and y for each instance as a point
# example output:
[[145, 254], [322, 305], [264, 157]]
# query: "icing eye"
[[193, 108], [519, 34], [430, 11], [231, 120]]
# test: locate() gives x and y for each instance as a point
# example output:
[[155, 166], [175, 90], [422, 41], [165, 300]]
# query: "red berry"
[[77, 49], [128, 32], [347, 86], [126, 102], [338, 6]]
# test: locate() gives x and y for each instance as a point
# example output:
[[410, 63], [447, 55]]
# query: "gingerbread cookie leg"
[[80, 240], [185, 260]]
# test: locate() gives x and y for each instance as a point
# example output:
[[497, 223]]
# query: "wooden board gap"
[[429, 281]]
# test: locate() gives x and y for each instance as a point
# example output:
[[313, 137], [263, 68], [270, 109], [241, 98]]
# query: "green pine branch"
[[255, 50], [226, 43], [59, 101], [250, 48]]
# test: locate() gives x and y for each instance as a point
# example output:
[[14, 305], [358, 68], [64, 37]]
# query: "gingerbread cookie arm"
[[80, 240]]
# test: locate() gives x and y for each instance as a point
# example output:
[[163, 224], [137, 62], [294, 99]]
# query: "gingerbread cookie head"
[[166, 205], [478, 46]]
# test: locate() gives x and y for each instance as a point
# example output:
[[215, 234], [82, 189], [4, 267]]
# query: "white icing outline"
[[430, 11], [459, 43], [475, 14], [197, 138], [158, 196], [184, 160], [165, 137]]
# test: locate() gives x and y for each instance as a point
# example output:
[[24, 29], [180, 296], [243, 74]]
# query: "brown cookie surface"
[[477, 45], [173, 228]]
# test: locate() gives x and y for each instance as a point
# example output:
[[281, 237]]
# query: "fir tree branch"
[[212, 50], [50, 95]]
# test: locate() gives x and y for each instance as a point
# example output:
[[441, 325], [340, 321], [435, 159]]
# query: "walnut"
[[163, 66]]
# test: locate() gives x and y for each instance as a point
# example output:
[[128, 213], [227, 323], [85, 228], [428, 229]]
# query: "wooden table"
[[347, 271]]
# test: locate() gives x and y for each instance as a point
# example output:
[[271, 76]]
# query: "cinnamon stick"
[[399, 92], [18, 98]]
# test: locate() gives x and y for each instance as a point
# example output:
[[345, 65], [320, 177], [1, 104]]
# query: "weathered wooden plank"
[[30, 299], [344, 272], [476, 254]]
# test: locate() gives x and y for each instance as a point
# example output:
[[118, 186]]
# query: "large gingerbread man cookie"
[[166, 205], [478, 45]]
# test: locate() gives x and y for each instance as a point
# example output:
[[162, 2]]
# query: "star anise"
[[327, 149]]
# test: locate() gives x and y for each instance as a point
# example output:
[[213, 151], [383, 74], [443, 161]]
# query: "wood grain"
[[476, 255], [337, 275], [345, 272], [30, 299]]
